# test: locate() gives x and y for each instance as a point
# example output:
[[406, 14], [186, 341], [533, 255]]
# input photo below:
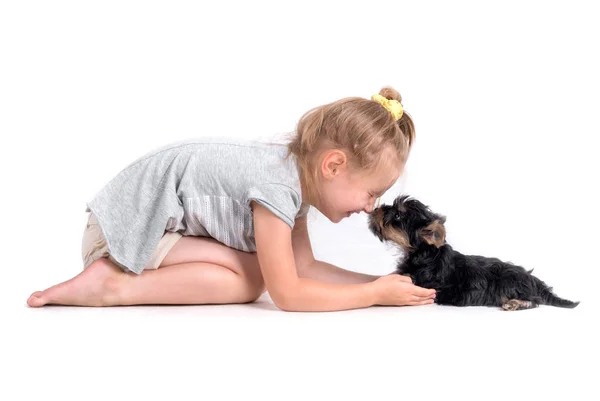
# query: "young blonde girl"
[[217, 221]]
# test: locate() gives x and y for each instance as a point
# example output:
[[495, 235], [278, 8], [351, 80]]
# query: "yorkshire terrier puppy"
[[460, 280]]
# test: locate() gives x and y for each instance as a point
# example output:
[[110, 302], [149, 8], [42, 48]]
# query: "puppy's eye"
[[397, 216]]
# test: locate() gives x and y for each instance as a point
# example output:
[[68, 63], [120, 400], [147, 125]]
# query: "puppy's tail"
[[548, 298]]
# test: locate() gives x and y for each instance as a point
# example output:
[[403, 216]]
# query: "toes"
[[36, 300]]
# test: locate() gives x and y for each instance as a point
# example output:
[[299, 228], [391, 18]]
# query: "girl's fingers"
[[422, 298], [423, 302], [423, 292], [416, 297]]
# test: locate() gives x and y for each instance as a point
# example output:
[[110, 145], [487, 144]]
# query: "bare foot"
[[98, 285]]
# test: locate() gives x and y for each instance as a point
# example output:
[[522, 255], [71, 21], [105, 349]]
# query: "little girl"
[[216, 221]]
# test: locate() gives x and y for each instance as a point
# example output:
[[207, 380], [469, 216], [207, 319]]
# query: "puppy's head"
[[408, 223]]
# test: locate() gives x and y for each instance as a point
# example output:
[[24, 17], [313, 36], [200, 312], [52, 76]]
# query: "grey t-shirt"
[[200, 187]]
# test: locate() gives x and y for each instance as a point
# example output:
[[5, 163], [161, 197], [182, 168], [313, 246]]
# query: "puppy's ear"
[[435, 233], [441, 218]]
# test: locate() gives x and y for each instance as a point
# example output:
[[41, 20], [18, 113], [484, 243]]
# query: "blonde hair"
[[362, 128]]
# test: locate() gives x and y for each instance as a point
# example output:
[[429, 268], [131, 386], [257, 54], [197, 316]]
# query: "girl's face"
[[345, 192]]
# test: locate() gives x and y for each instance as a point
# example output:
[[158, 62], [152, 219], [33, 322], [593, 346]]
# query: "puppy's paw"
[[516, 304]]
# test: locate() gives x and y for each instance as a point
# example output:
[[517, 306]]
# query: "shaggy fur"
[[460, 280]]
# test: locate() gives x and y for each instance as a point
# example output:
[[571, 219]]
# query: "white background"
[[505, 101]]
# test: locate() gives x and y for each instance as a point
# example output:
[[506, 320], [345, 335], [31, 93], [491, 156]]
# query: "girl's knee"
[[254, 295], [256, 287]]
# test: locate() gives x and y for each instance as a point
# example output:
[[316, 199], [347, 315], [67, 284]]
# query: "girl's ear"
[[333, 163]]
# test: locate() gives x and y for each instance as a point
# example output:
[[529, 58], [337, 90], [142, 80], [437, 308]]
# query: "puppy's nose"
[[376, 213]]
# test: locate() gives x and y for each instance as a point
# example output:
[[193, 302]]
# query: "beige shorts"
[[94, 246]]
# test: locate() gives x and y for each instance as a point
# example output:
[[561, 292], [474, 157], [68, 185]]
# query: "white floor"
[[258, 351], [505, 100]]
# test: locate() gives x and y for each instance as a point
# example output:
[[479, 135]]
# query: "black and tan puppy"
[[461, 280]]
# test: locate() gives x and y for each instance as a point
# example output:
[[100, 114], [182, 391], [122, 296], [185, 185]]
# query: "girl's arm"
[[328, 273], [289, 291], [308, 267]]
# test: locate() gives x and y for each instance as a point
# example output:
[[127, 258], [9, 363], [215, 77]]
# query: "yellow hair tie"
[[393, 106]]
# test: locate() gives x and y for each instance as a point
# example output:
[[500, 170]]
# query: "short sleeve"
[[304, 209], [281, 200]]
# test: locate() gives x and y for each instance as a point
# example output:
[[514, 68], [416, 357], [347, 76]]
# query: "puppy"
[[460, 280]]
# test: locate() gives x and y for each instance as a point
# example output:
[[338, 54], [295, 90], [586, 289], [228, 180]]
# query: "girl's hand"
[[397, 290]]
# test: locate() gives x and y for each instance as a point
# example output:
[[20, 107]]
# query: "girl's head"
[[350, 152]]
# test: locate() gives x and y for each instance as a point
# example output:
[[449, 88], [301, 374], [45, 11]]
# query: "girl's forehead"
[[389, 177], [385, 172], [383, 178], [388, 169]]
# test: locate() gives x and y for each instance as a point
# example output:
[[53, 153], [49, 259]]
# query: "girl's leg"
[[196, 270]]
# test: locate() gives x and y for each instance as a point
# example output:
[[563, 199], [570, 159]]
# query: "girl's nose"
[[371, 206]]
